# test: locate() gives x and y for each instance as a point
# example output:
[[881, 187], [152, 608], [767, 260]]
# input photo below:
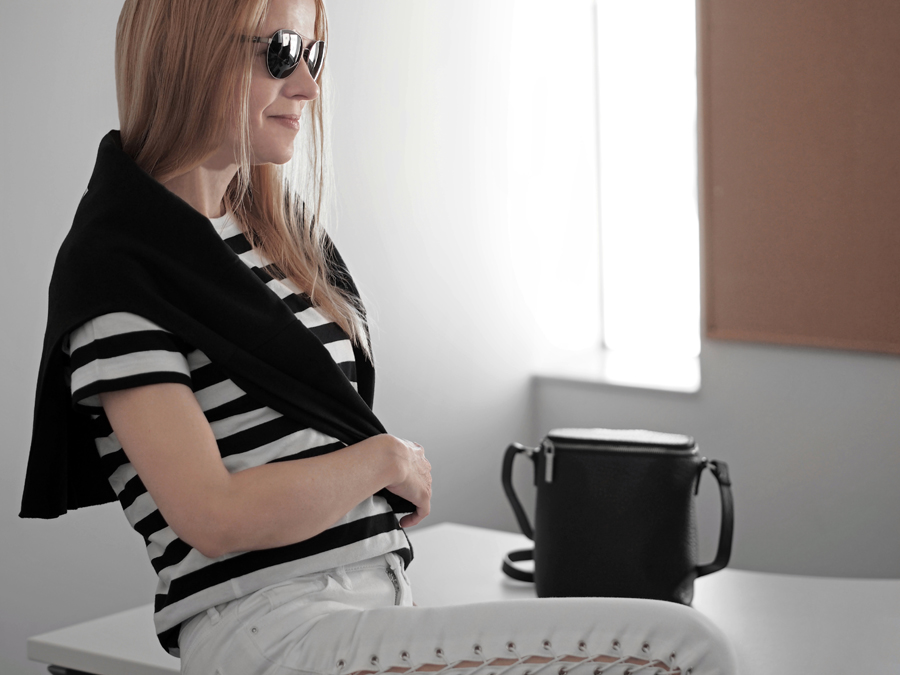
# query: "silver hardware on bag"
[[549, 452]]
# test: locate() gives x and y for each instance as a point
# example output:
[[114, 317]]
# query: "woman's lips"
[[289, 121]]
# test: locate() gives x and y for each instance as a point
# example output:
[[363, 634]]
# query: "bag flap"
[[638, 438]]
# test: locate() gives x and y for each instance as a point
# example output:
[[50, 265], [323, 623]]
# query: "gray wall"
[[812, 438], [422, 160]]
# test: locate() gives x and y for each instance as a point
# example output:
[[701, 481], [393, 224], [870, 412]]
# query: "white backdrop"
[[422, 155]]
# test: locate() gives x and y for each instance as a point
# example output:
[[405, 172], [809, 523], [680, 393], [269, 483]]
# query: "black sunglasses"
[[286, 48]]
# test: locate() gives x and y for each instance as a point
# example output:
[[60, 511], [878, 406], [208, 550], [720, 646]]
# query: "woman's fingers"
[[416, 487]]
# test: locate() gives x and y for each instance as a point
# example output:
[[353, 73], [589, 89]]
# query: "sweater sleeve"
[[120, 351]]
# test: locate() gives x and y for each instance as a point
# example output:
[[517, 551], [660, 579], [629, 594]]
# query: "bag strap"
[[506, 476], [726, 529], [513, 571], [718, 468]]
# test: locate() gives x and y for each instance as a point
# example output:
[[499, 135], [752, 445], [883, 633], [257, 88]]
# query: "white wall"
[[58, 99], [423, 170]]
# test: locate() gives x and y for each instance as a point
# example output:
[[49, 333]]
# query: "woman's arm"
[[170, 444]]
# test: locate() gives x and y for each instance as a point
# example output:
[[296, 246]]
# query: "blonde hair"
[[175, 85]]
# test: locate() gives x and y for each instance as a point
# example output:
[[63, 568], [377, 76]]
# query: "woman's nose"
[[300, 83]]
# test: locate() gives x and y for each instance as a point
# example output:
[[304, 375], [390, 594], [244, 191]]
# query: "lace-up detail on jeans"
[[509, 659]]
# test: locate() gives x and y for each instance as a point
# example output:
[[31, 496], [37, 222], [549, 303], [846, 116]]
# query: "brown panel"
[[800, 125]]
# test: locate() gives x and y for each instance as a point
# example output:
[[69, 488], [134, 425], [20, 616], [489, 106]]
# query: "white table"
[[777, 623]]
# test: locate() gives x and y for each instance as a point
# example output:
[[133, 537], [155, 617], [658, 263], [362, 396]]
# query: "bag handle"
[[718, 468], [726, 530], [513, 571], [511, 452]]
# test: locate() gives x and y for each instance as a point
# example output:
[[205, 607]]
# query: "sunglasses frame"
[[306, 47]]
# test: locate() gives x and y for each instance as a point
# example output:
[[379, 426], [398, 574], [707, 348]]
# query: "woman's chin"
[[282, 156]]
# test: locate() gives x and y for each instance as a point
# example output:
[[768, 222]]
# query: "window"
[[648, 176], [602, 138]]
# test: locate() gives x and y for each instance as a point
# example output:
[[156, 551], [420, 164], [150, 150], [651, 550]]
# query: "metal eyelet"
[[340, 663], [374, 660], [672, 657], [510, 646], [689, 671], [616, 644], [439, 653], [404, 655], [547, 644], [645, 647], [254, 630], [582, 646], [477, 649], [598, 670], [563, 670]]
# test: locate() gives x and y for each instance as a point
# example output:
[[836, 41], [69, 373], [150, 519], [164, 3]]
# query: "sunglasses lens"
[[315, 58], [284, 53]]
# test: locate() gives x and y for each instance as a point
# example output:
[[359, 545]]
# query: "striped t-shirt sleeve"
[[120, 351]]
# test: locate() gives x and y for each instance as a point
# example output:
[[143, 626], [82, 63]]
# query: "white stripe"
[[159, 541], [305, 439], [108, 445], [341, 351], [127, 365], [108, 325], [121, 476], [218, 394], [279, 289], [312, 317], [243, 422], [252, 258], [142, 507], [197, 359]]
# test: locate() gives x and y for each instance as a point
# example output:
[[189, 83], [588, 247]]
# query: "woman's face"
[[276, 105]]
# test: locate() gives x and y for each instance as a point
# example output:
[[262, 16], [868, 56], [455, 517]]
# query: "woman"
[[207, 363]]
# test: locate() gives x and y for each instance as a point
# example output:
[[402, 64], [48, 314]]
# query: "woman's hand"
[[414, 483]]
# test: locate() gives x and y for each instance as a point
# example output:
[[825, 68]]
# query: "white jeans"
[[359, 618]]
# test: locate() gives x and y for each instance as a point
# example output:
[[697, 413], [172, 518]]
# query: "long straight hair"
[[176, 75]]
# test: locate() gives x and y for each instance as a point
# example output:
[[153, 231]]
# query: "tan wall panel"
[[800, 138]]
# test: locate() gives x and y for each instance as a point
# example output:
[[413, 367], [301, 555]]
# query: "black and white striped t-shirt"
[[120, 350]]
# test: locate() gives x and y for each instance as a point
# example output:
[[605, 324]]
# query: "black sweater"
[[136, 247]]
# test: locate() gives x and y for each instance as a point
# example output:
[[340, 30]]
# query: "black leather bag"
[[615, 514]]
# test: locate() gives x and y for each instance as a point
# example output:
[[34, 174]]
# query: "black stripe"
[[101, 427], [175, 552], [274, 272], [261, 274], [329, 332], [139, 380], [133, 489], [349, 369], [113, 461], [252, 561], [238, 406], [297, 303], [238, 243], [207, 376], [261, 434], [127, 343], [169, 639], [313, 452], [150, 525]]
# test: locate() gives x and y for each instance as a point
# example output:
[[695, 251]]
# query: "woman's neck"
[[203, 187]]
